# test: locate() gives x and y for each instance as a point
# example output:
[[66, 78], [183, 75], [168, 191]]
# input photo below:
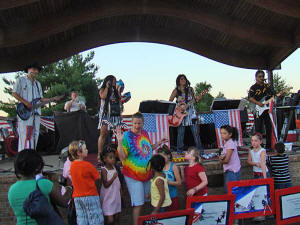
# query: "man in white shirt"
[[74, 104], [25, 90]]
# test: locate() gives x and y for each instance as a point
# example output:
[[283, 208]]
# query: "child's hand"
[[115, 175], [258, 165], [191, 192], [148, 196]]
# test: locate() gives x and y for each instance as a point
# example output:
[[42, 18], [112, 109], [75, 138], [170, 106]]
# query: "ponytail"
[[195, 151]]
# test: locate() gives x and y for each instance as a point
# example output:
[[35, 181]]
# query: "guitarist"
[[184, 94], [25, 90], [257, 92]]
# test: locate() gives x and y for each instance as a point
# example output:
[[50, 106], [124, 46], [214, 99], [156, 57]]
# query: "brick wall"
[[213, 170]]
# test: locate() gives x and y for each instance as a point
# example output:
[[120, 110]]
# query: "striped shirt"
[[279, 166]]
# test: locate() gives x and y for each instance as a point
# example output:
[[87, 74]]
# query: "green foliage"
[[220, 95], [73, 73], [280, 84], [204, 104]]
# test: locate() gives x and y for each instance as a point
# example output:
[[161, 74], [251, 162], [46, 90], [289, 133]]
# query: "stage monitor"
[[221, 104], [158, 106]]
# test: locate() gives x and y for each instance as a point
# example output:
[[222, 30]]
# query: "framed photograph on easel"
[[179, 217], [287, 205], [212, 209], [253, 197]]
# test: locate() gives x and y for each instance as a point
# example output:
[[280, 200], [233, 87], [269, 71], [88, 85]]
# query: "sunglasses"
[[80, 144]]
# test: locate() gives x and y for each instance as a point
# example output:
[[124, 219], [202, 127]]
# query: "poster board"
[[212, 209], [287, 205], [179, 217], [252, 197]]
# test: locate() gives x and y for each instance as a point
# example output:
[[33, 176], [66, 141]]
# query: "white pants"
[[28, 132]]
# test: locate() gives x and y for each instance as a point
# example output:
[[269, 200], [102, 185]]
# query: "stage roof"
[[244, 33]]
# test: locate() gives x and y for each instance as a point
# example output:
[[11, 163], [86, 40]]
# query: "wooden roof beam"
[[290, 8], [128, 34], [8, 4], [84, 14]]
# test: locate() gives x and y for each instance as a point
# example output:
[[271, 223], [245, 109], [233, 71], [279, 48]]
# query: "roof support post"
[[270, 77]]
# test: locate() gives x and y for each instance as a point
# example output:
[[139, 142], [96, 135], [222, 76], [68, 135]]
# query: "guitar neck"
[[40, 104]]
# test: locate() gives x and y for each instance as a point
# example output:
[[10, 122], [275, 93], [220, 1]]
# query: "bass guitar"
[[180, 111], [24, 113], [259, 110]]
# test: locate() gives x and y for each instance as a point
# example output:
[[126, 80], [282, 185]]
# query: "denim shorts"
[[138, 191], [231, 176]]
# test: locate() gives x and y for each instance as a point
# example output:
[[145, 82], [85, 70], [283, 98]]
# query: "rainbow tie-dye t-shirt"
[[138, 152]]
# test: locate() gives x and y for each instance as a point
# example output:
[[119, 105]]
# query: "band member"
[[110, 110], [184, 94], [25, 90], [257, 93], [74, 104]]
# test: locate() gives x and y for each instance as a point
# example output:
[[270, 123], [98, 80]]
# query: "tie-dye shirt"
[[138, 152]]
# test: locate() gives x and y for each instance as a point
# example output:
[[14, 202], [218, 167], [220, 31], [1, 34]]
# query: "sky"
[[149, 71]]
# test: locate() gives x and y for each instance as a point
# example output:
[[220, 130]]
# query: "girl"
[[110, 190], [160, 197], [86, 183], [173, 177], [229, 156], [257, 157], [28, 163], [110, 109], [194, 174]]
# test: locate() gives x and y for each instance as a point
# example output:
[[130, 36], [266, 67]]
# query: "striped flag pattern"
[[228, 117], [156, 125], [250, 123], [274, 135], [48, 122], [7, 125]]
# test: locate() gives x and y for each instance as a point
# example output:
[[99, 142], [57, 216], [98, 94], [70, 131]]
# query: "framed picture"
[[212, 209], [253, 197], [180, 217], [287, 205]]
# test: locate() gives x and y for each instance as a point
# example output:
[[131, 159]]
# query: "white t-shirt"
[[256, 158], [75, 105]]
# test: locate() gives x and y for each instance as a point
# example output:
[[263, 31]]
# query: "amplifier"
[[158, 106]]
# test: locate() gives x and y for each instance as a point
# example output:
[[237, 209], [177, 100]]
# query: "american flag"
[[274, 135], [156, 125], [6, 125], [48, 122], [227, 117], [250, 123]]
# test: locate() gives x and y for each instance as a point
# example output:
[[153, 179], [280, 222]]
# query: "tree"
[[280, 84], [220, 95], [205, 103], [73, 73]]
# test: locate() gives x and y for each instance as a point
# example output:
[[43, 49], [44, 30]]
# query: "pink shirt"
[[234, 163]]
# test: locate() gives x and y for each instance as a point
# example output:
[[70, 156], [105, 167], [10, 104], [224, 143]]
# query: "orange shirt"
[[84, 175]]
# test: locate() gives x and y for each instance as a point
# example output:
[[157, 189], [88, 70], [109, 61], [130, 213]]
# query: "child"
[[86, 183], [110, 190], [257, 157], [160, 197], [229, 156], [279, 166], [194, 174], [173, 176]]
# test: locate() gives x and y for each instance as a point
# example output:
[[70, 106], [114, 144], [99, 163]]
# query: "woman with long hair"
[[185, 94], [110, 109]]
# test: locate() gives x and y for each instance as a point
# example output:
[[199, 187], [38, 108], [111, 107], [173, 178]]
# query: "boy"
[[279, 166]]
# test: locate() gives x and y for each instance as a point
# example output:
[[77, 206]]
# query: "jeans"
[[259, 122], [283, 185], [231, 176], [180, 137]]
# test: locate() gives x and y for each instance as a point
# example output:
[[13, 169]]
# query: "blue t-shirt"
[[171, 176]]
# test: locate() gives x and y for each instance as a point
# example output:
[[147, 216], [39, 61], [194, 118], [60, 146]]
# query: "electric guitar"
[[259, 110], [24, 113], [180, 111]]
